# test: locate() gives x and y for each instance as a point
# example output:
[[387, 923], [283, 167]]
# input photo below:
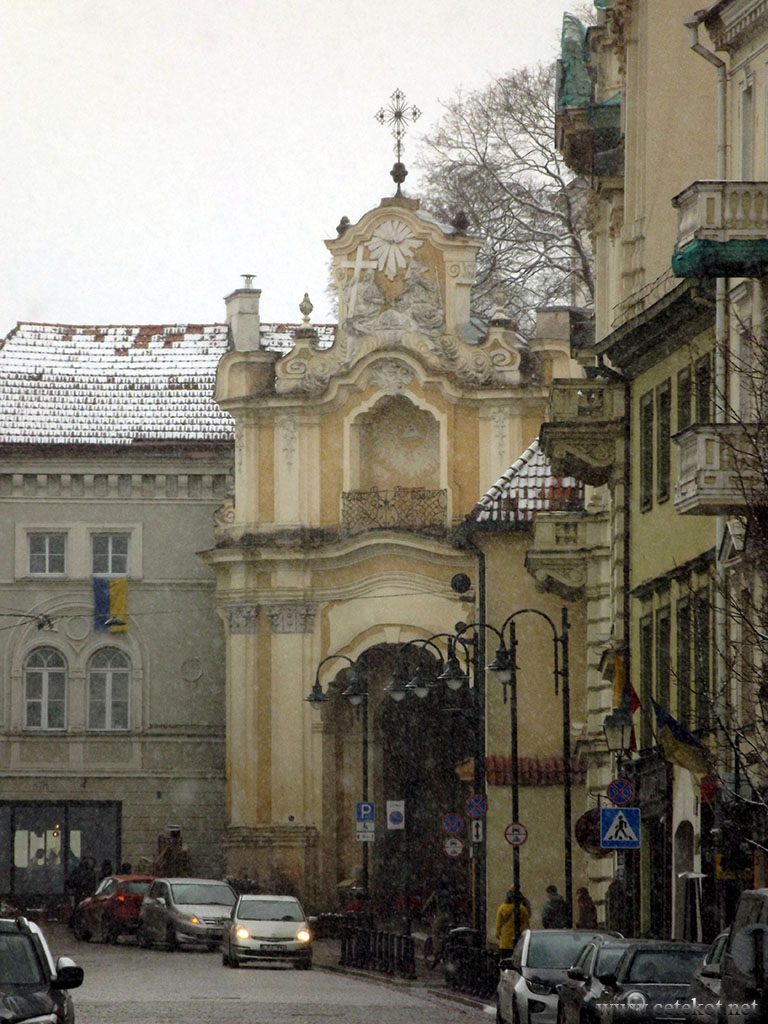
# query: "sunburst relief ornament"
[[392, 245]]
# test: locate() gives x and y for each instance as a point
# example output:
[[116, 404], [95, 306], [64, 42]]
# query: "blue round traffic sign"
[[453, 823], [477, 806], [620, 792]]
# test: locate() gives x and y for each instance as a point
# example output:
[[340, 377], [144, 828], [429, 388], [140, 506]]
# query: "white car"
[[531, 976], [267, 930]]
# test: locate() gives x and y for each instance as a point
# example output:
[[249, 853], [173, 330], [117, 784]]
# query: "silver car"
[[267, 929], [185, 911], [530, 978]]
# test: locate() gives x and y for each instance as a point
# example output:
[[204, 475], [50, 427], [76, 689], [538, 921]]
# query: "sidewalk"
[[328, 951]]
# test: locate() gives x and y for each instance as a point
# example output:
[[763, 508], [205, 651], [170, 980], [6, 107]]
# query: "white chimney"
[[243, 316]]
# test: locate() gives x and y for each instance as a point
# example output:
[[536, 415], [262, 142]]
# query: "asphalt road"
[[128, 985]]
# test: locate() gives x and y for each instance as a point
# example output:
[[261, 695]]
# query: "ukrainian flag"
[[679, 745], [110, 605]]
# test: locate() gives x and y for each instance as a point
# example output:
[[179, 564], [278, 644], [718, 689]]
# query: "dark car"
[[113, 910], [584, 988], [705, 984], [32, 987], [529, 979], [651, 982]]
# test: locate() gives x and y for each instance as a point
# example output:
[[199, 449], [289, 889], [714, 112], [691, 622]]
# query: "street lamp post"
[[504, 666]]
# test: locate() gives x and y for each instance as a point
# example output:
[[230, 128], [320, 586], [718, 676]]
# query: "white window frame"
[[111, 536], [109, 701], [47, 535], [44, 700]]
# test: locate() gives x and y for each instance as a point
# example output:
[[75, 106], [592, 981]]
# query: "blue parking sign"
[[365, 811]]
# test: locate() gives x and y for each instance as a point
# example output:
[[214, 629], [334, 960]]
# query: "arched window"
[[109, 684], [45, 689]]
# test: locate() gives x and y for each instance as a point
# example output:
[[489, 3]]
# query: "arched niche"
[[394, 443]]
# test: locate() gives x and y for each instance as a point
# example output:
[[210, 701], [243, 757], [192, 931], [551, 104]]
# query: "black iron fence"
[[373, 950], [468, 967]]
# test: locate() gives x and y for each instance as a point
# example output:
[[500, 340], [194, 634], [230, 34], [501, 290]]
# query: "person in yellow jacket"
[[505, 920]]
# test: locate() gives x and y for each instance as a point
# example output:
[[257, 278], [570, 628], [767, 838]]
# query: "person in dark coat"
[[554, 913], [587, 911]]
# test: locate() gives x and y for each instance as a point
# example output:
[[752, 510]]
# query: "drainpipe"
[[720, 403]]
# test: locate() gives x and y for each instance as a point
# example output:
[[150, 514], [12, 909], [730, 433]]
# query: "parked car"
[[651, 977], [744, 970], [706, 983], [185, 911], [584, 988], [113, 910], [267, 929], [530, 977], [32, 987]]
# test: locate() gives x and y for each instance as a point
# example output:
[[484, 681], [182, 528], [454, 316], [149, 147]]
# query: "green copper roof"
[[737, 257]]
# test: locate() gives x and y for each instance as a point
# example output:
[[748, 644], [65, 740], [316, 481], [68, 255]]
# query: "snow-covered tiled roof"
[[63, 384], [528, 487]]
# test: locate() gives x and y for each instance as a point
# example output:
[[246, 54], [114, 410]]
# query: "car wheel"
[[141, 936], [234, 962], [81, 933], [170, 938], [212, 947]]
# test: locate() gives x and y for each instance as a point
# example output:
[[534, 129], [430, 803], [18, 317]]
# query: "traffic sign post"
[[365, 810], [477, 806], [395, 814], [453, 846], [620, 828], [477, 831], [516, 834], [453, 824], [365, 831], [620, 792]]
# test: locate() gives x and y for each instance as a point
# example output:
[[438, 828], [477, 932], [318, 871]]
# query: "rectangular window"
[[662, 657], [646, 451], [684, 663], [46, 553], [703, 370], [747, 133], [702, 657], [110, 554], [684, 399], [646, 680], [663, 439]]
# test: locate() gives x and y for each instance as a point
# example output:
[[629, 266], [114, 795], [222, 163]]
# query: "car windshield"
[[140, 888], [19, 962], [269, 910], [555, 949], [191, 894], [671, 967]]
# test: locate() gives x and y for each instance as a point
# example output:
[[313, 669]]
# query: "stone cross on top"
[[398, 116]]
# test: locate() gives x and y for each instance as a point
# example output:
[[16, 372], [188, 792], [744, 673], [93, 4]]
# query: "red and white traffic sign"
[[453, 846], [620, 792], [516, 834]]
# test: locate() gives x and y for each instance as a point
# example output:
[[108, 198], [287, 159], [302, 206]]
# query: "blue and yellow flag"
[[679, 746], [110, 605]]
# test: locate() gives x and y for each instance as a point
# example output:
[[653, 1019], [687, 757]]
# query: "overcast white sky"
[[154, 150]]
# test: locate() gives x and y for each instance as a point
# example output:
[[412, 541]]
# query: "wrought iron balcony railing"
[[402, 508]]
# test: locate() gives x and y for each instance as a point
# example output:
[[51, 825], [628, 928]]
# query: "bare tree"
[[492, 158]]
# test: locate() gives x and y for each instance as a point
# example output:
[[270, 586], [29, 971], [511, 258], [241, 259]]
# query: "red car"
[[113, 910]]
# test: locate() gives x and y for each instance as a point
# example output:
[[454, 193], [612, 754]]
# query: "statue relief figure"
[[419, 301], [364, 301]]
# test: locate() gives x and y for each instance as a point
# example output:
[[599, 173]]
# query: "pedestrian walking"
[[587, 910], [554, 913], [511, 909]]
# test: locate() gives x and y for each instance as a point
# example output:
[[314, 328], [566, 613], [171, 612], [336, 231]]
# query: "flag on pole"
[[110, 604], [679, 746]]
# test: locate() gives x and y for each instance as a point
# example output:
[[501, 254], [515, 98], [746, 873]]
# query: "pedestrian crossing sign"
[[620, 828]]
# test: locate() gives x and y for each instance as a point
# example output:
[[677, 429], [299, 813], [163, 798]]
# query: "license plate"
[[276, 946]]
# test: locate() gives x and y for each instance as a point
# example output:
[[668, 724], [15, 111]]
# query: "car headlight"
[[194, 920], [539, 988], [635, 1000], [242, 933], [303, 935]]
